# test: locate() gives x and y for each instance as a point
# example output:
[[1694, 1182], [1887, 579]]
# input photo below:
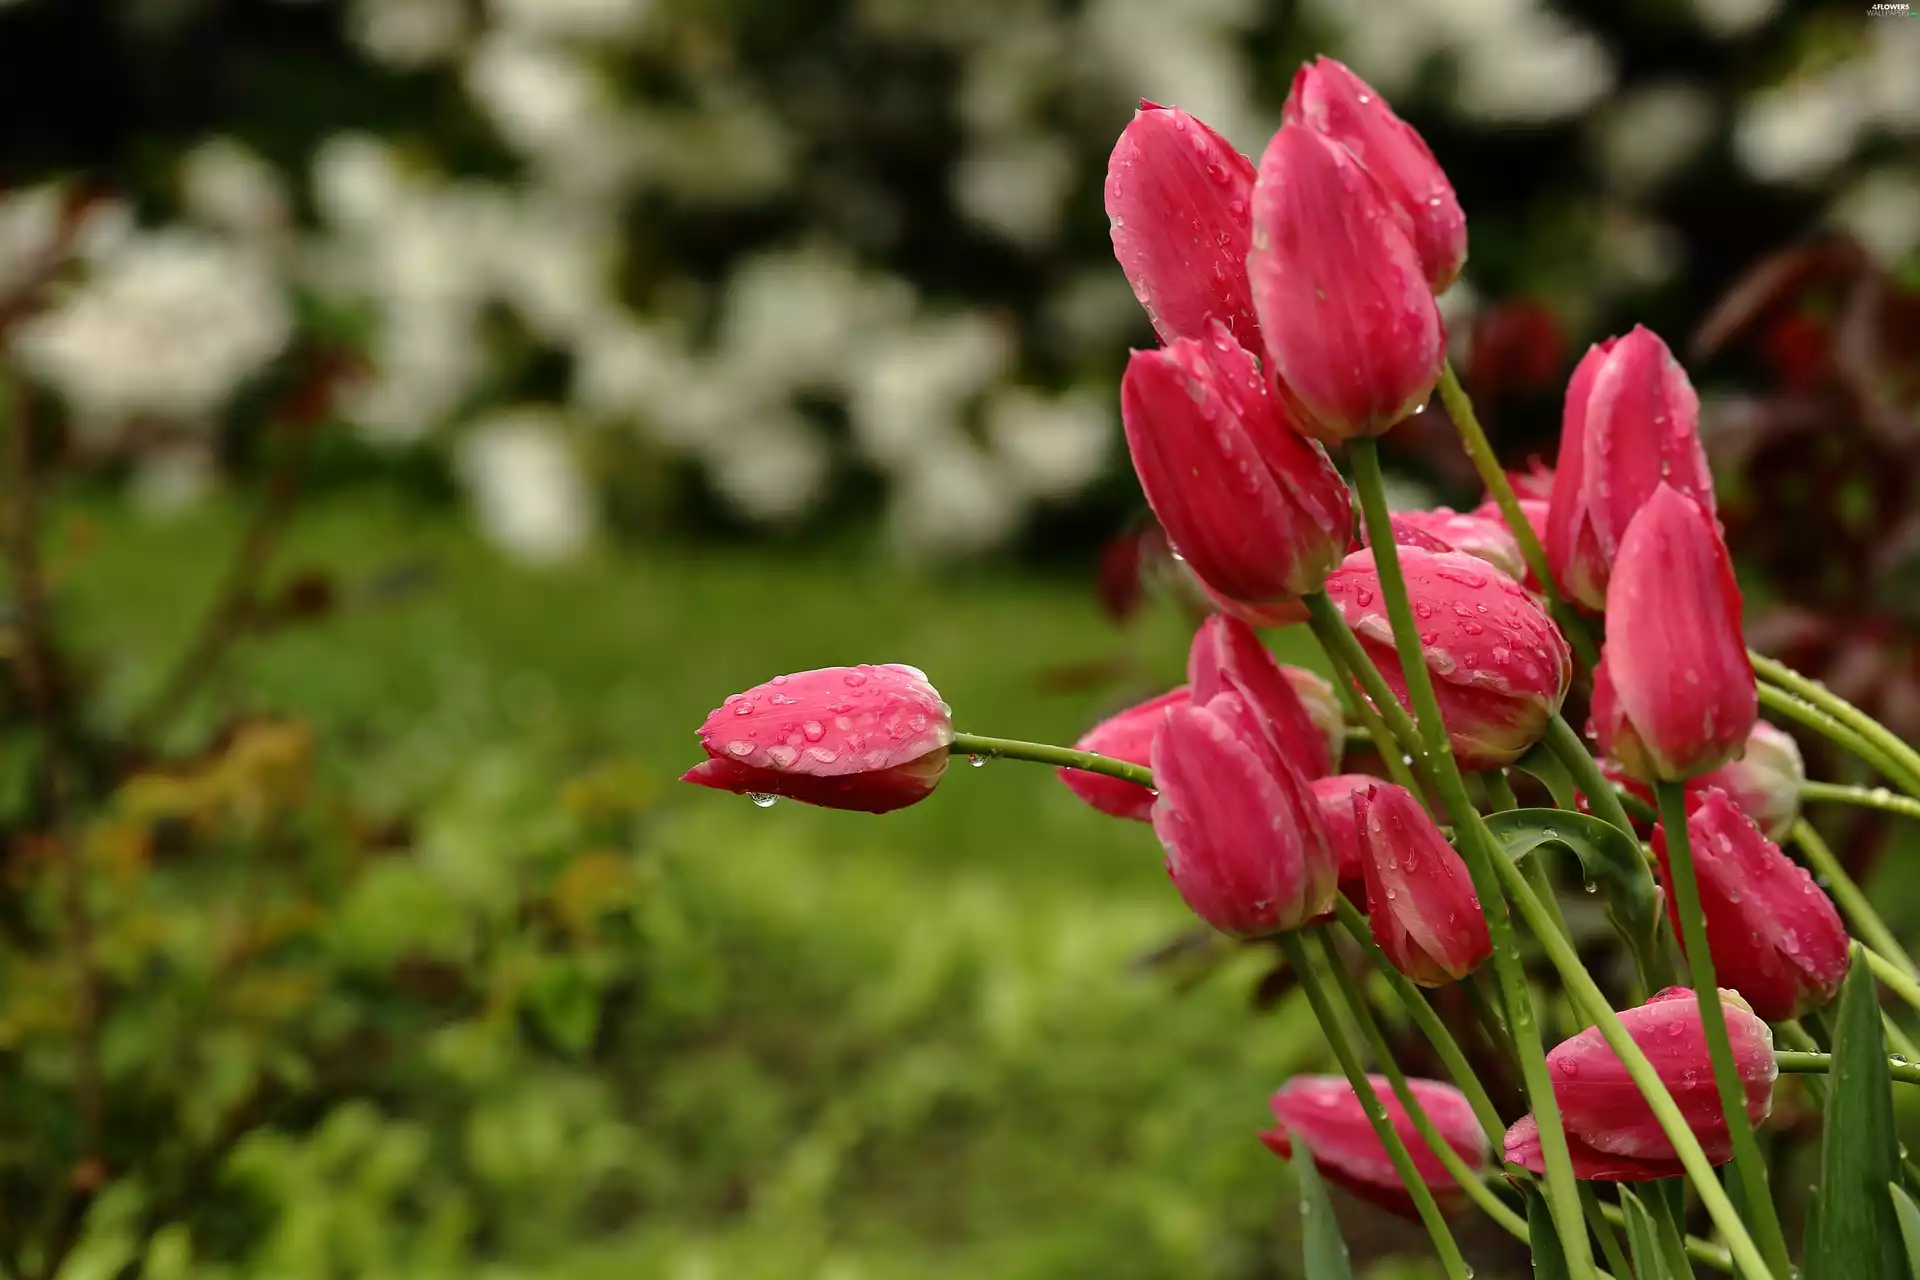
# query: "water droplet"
[[976, 761], [762, 799], [854, 679], [740, 747], [812, 731], [743, 708]]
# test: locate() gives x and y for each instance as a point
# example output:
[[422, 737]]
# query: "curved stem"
[[1494, 476], [1867, 923], [1501, 800], [1481, 854], [1602, 796], [986, 748], [1344, 648], [1423, 1202], [1796, 1063], [1329, 629], [1726, 1073], [1818, 695], [1865, 797], [1470, 1181], [1812, 717], [1893, 977], [1423, 1016]]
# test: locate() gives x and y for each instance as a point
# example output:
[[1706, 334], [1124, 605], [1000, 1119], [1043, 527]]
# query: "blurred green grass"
[[915, 1045]]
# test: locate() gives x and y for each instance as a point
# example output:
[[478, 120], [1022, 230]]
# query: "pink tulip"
[[1242, 832], [1500, 666], [1227, 656], [1600, 1104], [1351, 330], [1522, 1147], [869, 738], [1632, 423], [1328, 98], [1335, 798], [1674, 693], [1774, 935], [1420, 899], [1763, 782], [1316, 694], [1256, 509], [1178, 201], [1326, 1114], [1535, 512], [1444, 529], [1127, 736]]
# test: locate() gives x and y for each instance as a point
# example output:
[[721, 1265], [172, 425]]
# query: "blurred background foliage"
[[419, 412]]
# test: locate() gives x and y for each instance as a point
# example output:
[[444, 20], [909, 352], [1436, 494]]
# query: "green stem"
[[1697, 1249], [985, 748], [1603, 1232], [1867, 923], [1582, 988], [1797, 1063], [1812, 717], [1344, 649], [1469, 1180], [1671, 1238], [1502, 800], [1423, 1202], [1423, 1016], [1893, 977], [1331, 631], [1865, 797], [1481, 853], [1601, 795], [1818, 695], [1494, 476], [1752, 1170]]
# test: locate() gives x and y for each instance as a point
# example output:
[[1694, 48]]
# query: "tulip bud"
[[1534, 484], [1674, 694], [1178, 201], [869, 738], [1522, 1147], [1420, 899], [1763, 783], [1323, 708], [1774, 935], [1328, 98], [1632, 422], [1126, 736], [1600, 1104], [1327, 1115], [1350, 325], [1242, 832], [1500, 666], [1256, 510], [1535, 512], [1335, 797], [1227, 656], [1444, 529]]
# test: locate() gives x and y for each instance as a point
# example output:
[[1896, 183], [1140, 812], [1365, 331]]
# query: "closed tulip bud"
[[1328, 98], [1444, 529], [1242, 832], [1350, 325], [1674, 693], [1127, 736], [1316, 694], [1535, 512], [1774, 935], [1179, 204], [1325, 1114], [1256, 510], [1600, 1104], [1227, 656], [1335, 797], [1420, 899], [1522, 1147], [1763, 783], [1500, 666], [869, 738], [1632, 423]]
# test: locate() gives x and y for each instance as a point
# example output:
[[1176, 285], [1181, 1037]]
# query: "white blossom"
[[229, 188], [532, 500], [408, 33]]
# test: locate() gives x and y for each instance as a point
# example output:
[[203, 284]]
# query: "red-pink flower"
[[1763, 782], [1351, 329], [1535, 512], [870, 738], [1444, 529], [1674, 693], [1227, 656], [1632, 423], [1127, 735], [1500, 666], [1325, 1113], [1522, 1147], [1242, 832], [1600, 1104], [1178, 201], [1774, 935], [1335, 797], [1328, 98], [1420, 899], [1256, 509]]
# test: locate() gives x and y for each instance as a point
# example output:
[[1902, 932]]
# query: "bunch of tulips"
[[1295, 300]]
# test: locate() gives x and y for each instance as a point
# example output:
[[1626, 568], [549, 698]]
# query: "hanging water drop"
[[762, 799], [976, 761]]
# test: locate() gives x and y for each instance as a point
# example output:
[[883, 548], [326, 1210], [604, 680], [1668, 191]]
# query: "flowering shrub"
[[1296, 301]]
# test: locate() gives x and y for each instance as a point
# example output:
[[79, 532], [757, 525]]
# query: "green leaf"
[[1648, 1262], [1543, 765], [1853, 1230], [1608, 855], [1549, 1261], [1909, 1215], [1325, 1253]]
